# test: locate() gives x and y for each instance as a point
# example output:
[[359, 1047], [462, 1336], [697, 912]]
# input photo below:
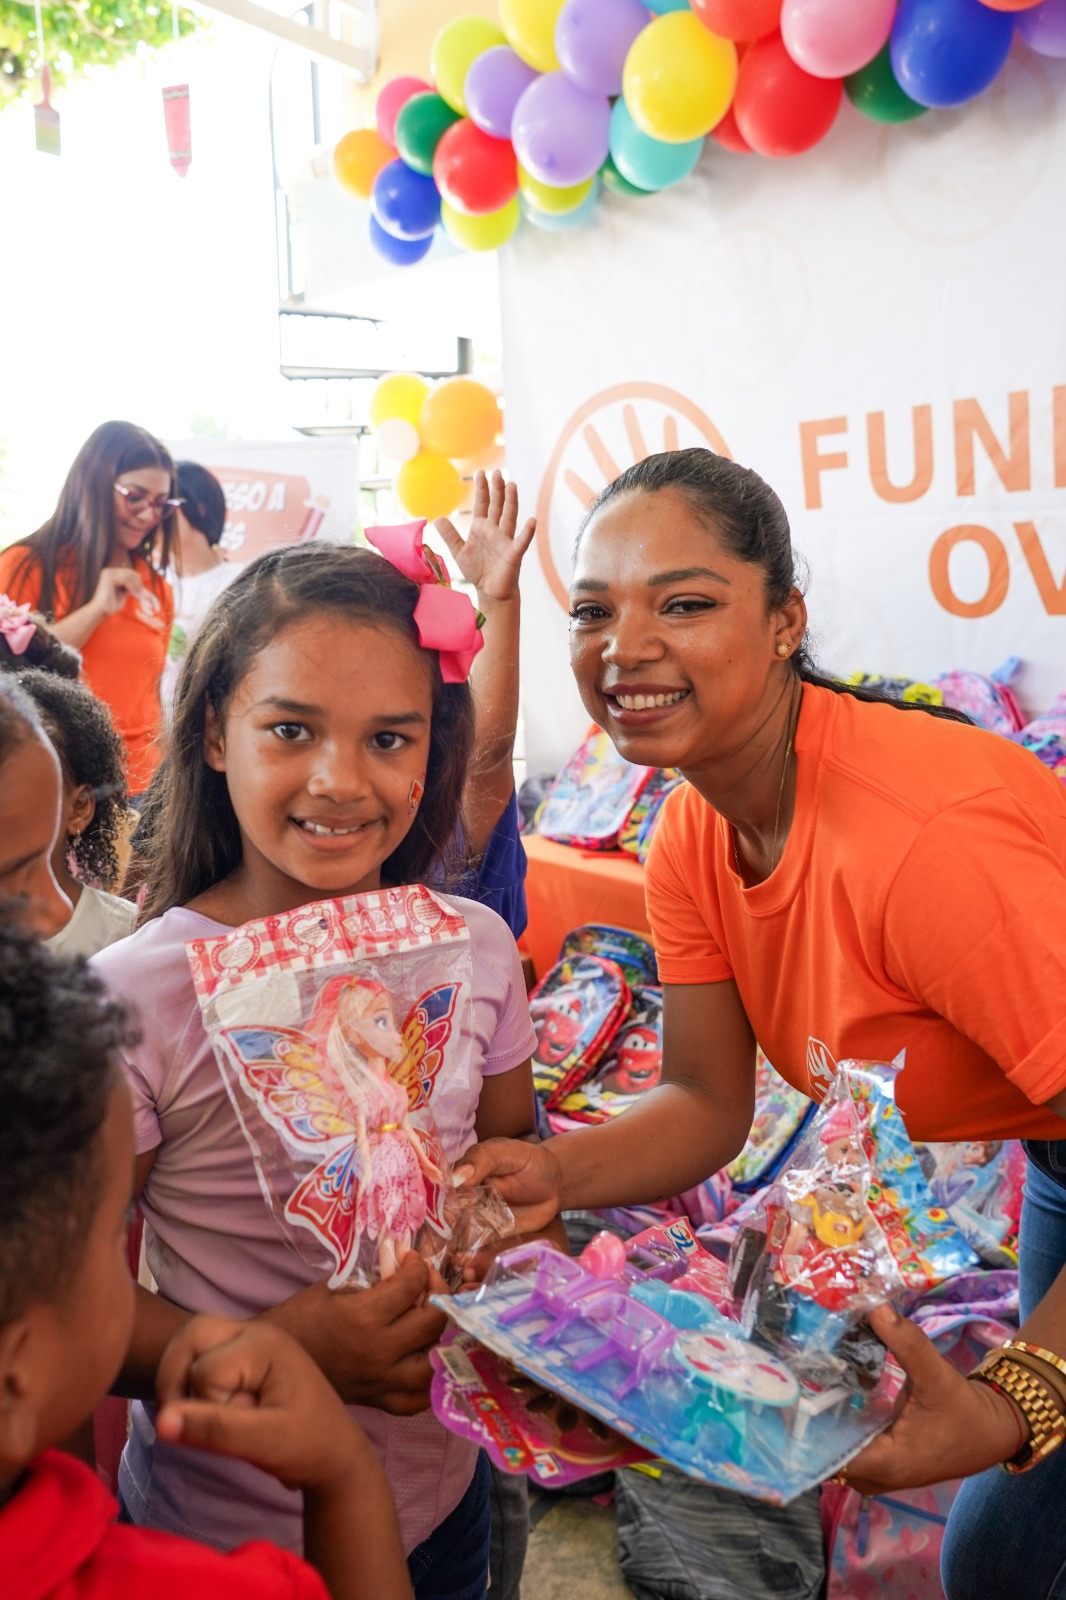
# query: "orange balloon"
[[358, 157], [460, 418], [1010, 5]]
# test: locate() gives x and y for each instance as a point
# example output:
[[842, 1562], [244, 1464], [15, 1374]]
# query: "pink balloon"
[[831, 38], [390, 102]]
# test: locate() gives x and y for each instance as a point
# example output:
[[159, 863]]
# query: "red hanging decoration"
[[179, 127]]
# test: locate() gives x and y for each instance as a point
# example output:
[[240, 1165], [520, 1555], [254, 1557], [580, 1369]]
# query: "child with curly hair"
[[93, 814]]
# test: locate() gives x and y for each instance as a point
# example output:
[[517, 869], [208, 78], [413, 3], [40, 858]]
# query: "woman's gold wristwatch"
[[1036, 1398]]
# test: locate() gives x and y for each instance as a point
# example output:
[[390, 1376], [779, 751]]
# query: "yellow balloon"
[[358, 157], [456, 47], [429, 486], [530, 29], [679, 78], [486, 232], [460, 418], [401, 394], [552, 202]]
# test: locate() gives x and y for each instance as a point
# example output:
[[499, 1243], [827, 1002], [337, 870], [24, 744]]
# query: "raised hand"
[[490, 557]]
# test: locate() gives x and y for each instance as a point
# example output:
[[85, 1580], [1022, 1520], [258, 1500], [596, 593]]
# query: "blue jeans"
[[453, 1563], [1006, 1536]]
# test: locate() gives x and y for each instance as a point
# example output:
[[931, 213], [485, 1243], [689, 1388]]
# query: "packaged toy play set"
[[764, 1378], [335, 1026]]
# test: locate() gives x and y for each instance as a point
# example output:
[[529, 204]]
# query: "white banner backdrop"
[[878, 328]]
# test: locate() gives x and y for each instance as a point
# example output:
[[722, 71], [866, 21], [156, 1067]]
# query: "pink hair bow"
[[446, 619], [16, 625]]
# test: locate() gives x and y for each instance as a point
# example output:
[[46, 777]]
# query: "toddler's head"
[[66, 1173], [94, 779], [313, 740]]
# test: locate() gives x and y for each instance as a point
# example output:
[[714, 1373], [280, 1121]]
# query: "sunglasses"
[[137, 499]]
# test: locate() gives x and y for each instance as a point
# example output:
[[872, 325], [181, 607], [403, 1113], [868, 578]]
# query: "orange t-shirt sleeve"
[[685, 947], [25, 589], [975, 927]]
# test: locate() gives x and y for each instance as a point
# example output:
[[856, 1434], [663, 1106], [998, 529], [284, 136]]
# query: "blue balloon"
[[646, 162], [401, 252], [944, 52], [405, 203], [562, 221]]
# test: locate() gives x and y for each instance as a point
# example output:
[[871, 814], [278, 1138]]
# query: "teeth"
[[329, 833], [641, 702]]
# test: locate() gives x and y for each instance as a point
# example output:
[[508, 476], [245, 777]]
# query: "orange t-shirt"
[[919, 905], [123, 660]]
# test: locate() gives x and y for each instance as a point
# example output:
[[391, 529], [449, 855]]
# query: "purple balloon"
[[1043, 27], [592, 40], [561, 134], [495, 83]]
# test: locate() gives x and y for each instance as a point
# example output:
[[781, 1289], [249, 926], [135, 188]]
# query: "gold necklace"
[[777, 816]]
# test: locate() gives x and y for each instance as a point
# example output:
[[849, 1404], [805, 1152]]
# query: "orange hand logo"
[[606, 434]]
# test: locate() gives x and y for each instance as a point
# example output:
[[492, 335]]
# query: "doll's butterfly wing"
[[325, 1203], [426, 1032], [296, 1091]]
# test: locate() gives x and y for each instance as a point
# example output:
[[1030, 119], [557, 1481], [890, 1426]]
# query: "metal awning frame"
[[343, 32]]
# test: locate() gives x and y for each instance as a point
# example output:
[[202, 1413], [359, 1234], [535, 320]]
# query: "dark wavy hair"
[[189, 830], [60, 1040], [90, 752], [752, 523], [205, 503], [45, 650], [19, 717], [77, 537]]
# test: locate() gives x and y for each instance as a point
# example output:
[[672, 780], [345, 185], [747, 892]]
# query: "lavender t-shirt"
[[213, 1246]]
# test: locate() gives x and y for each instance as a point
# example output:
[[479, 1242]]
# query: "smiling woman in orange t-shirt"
[[91, 568], [840, 877]]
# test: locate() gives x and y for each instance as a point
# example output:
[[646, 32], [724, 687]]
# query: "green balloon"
[[419, 126], [873, 90], [614, 180]]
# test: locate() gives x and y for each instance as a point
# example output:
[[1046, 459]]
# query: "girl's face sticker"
[[418, 789]]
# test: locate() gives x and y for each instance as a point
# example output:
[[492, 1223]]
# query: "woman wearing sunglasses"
[[92, 567]]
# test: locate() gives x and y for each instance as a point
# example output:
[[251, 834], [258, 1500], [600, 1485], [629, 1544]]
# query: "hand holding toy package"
[[765, 1381], [334, 1027]]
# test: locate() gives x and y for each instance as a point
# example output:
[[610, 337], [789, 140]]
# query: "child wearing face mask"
[[321, 736]]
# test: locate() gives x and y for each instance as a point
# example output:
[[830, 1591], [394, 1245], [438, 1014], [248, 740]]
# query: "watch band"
[[1046, 1365], [1034, 1398]]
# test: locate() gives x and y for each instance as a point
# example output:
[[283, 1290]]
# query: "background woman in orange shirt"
[[840, 877], [91, 568]]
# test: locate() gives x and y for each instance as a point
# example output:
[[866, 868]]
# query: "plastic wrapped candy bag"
[[851, 1222], [338, 1028]]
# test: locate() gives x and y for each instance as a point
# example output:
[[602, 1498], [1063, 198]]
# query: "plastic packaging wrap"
[[334, 1026], [765, 1381]]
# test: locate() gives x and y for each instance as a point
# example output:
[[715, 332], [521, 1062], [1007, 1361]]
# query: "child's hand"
[[372, 1344], [490, 557], [247, 1389]]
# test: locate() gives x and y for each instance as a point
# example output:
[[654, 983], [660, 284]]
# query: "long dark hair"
[[752, 523], [192, 836], [77, 537]]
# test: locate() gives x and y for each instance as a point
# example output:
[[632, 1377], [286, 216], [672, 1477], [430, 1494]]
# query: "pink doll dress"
[[392, 1196]]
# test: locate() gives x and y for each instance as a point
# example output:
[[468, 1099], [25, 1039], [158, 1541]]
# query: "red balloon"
[[739, 19], [729, 136], [780, 109], [475, 173]]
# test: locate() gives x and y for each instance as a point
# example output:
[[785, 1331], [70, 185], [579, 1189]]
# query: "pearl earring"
[[782, 649]]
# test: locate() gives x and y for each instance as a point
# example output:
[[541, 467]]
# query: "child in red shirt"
[[66, 1314]]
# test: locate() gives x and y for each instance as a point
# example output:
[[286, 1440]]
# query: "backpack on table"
[[576, 1008], [590, 801]]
